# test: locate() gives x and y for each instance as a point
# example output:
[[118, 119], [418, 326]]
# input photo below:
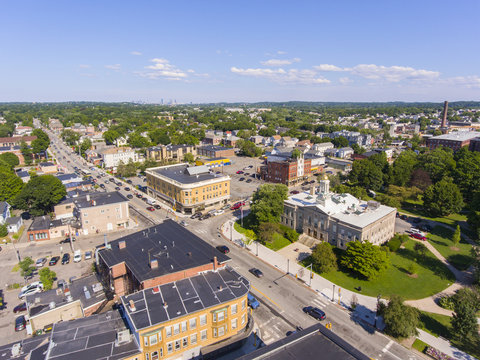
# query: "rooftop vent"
[[132, 305], [154, 264], [156, 289], [51, 305], [122, 244]]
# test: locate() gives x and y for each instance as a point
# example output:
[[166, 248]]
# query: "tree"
[[456, 236], [296, 153], [365, 173], [358, 149], [248, 148], [420, 179], [126, 170], [267, 132], [10, 186], [47, 277], [340, 142], [266, 231], [188, 157], [323, 258], [3, 230], [26, 267], [401, 320], [159, 136], [41, 143], [467, 171], [438, 163], [136, 140], [365, 259], [70, 137], [475, 251], [268, 203], [403, 167], [40, 194], [26, 152], [85, 145], [464, 320], [443, 198], [10, 158], [110, 136], [420, 249]]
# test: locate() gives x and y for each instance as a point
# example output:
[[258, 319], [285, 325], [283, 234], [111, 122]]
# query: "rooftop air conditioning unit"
[[123, 337]]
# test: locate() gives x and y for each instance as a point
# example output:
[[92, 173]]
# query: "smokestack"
[[444, 118]]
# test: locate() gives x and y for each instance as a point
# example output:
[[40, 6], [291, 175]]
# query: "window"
[[234, 324], [184, 326], [221, 316], [176, 329], [145, 341], [153, 340], [203, 320], [193, 339], [168, 331], [177, 344], [193, 324], [221, 331], [243, 305], [161, 352], [184, 342], [155, 355], [147, 356], [203, 335], [170, 347], [234, 309], [243, 319], [160, 336]]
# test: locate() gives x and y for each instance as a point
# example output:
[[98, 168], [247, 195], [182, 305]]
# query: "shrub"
[[447, 302], [412, 268], [394, 244]]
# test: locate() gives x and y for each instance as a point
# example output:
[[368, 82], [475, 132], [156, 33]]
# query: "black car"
[[256, 272], [20, 323], [102, 186], [20, 308], [66, 259], [117, 188], [196, 215], [53, 261], [314, 312], [241, 179], [249, 180], [129, 196], [66, 241], [156, 206], [223, 249], [205, 217], [129, 181], [126, 188]]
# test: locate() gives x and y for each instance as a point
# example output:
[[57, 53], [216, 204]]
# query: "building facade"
[[338, 218], [286, 171], [454, 140], [212, 151], [112, 157], [170, 152], [188, 188]]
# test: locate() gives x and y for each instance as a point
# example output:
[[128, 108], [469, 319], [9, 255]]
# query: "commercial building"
[[47, 168], [112, 157], [338, 218], [188, 188], [213, 151], [308, 344], [80, 298], [474, 144], [156, 256], [213, 163], [170, 152], [44, 228], [182, 318], [286, 170], [16, 140], [96, 212], [454, 140], [55, 125]]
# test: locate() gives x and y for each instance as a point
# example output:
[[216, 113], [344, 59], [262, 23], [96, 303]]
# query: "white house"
[[112, 157], [14, 224], [4, 211]]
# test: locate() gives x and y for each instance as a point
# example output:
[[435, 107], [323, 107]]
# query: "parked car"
[[314, 312], [129, 196], [150, 208], [126, 188], [196, 215], [257, 272], [40, 262], [32, 285], [65, 258], [218, 212], [223, 249], [252, 302], [53, 261], [107, 182], [77, 256], [117, 188], [205, 217], [418, 236], [66, 240], [225, 207], [241, 179], [239, 172], [20, 323], [249, 180], [237, 205], [20, 308], [183, 223], [102, 186], [158, 207], [30, 291], [129, 181]]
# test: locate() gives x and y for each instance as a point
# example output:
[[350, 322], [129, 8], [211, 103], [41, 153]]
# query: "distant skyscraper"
[[162, 102]]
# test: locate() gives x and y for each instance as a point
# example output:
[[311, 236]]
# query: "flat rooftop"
[[91, 338], [458, 136], [213, 148], [175, 248], [184, 297], [96, 199], [308, 344], [32, 348], [185, 174]]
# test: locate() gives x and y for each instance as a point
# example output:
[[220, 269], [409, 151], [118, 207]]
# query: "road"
[[284, 296]]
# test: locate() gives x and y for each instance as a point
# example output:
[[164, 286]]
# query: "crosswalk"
[[320, 303]]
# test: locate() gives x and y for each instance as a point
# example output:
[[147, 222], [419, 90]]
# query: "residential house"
[[44, 228], [231, 141], [170, 152], [14, 224], [4, 211], [112, 157], [256, 139]]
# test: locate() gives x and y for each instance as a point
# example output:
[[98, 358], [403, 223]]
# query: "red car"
[[418, 236], [294, 192], [239, 172], [150, 208], [237, 205]]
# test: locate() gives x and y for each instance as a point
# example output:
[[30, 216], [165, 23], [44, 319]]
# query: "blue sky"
[[211, 51]]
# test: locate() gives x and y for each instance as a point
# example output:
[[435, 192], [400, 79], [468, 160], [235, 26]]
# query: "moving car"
[[66, 241], [20, 308], [218, 212], [241, 179], [196, 215], [88, 255], [65, 258], [158, 207], [252, 302], [20, 323], [40, 262], [257, 272], [314, 312], [53, 261], [150, 208], [223, 249]]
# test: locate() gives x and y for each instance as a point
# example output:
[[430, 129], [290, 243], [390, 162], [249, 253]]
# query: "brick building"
[[170, 152], [213, 151], [454, 140], [286, 171]]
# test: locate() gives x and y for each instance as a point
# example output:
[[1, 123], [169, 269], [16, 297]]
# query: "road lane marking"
[[265, 296], [385, 349]]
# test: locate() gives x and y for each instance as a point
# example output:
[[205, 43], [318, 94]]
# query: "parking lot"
[[243, 185]]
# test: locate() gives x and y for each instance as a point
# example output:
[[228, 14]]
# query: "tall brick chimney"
[[444, 118]]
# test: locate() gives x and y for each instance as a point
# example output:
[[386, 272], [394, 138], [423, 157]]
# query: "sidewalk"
[[443, 345]]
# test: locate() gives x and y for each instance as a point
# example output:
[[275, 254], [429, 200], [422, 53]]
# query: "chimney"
[[132, 305], [215, 263], [94, 203], [122, 244], [154, 264], [88, 197], [444, 118]]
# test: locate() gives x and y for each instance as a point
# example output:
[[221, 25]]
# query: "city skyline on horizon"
[[218, 52]]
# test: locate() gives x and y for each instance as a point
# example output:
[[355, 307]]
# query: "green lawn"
[[419, 345], [415, 208], [278, 242], [433, 276], [440, 238]]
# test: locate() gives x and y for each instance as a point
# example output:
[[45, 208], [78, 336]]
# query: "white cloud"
[[472, 81], [280, 75], [84, 66], [136, 53], [115, 67], [345, 80], [328, 67], [190, 71], [280, 62], [392, 73], [280, 52], [162, 68]]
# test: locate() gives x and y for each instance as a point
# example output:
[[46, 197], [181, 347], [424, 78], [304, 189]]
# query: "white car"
[[40, 262], [183, 223], [30, 291], [88, 255], [416, 231], [219, 212], [32, 285], [77, 256]]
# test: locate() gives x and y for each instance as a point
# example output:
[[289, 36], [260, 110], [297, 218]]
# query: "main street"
[[284, 295]]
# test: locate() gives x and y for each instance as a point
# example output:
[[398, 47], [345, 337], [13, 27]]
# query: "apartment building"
[[96, 212], [213, 151], [170, 152], [338, 218], [16, 140], [286, 170], [112, 157], [188, 188]]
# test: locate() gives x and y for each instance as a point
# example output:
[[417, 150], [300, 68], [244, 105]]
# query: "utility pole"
[[333, 293], [311, 275]]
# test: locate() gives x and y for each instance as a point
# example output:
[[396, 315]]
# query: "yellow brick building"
[[213, 162], [188, 188], [183, 318]]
